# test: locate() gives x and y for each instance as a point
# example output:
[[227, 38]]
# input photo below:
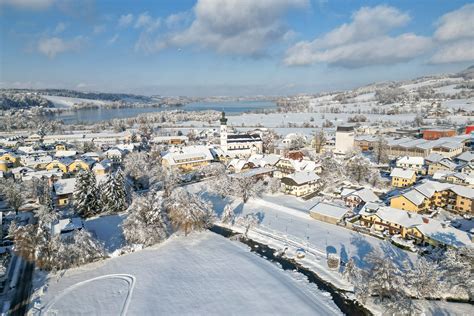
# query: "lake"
[[101, 114]]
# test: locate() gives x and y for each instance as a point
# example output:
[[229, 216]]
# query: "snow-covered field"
[[202, 274], [66, 102]]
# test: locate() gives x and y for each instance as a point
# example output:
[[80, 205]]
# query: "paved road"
[[21, 298]]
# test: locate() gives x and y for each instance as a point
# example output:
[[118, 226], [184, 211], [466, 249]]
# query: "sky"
[[229, 47]]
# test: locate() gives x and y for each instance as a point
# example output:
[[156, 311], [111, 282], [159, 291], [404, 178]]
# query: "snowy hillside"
[[201, 274], [67, 102]]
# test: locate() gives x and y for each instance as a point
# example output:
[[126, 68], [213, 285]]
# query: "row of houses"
[[412, 226], [429, 195]]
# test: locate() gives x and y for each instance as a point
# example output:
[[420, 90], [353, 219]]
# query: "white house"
[[344, 139], [414, 163], [300, 183]]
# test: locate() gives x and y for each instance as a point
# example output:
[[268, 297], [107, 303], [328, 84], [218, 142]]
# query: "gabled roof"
[[411, 160], [402, 173], [330, 210], [300, 178], [434, 157], [65, 186], [467, 156]]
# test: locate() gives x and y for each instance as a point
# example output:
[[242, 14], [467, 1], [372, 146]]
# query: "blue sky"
[[229, 47]]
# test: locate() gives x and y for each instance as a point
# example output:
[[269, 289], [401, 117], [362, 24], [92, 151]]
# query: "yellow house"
[[60, 147], [80, 164], [11, 158], [402, 178], [403, 203], [102, 168], [463, 199], [3, 165], [63, 190], [61, 164]]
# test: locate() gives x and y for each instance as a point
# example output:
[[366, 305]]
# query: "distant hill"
[[467, 73]]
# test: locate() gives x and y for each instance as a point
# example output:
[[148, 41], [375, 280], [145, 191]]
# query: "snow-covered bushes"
[[147, 222], [188, 212]]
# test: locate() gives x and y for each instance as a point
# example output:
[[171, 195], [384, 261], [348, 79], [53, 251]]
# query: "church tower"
[[223, 132]]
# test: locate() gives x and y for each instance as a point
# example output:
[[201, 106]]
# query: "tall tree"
[[319, 140], [13, 194], [114, 194], [187, 211], [86, 197], [380, 150], [147, 222]]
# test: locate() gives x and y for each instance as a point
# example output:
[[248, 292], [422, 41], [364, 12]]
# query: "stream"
[[346, 305]]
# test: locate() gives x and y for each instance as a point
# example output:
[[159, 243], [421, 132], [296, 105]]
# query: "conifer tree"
[[86, 197]]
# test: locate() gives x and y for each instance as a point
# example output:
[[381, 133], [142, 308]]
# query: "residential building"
[[344, 139], [187, 158], [300, 183], [329, 212], [444, 164], [357, 198], [63, 190], [413, 163], [402, 177]]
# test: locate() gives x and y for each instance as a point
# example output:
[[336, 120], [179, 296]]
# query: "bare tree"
[[319, 140], [147, 222], [187, 211], [13, 194], [380, 150]]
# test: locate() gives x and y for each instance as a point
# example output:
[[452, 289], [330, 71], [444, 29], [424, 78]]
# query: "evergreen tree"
[[86, 198], [113, 194]]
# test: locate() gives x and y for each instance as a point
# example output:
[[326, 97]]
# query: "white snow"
[[66, 102], [202, 274]]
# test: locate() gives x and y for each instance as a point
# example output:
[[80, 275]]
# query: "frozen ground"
[[200, 274]]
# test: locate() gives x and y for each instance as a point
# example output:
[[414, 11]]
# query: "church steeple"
[[223, 119]]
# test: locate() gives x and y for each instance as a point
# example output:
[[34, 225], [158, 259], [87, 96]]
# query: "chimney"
[[426, 220]]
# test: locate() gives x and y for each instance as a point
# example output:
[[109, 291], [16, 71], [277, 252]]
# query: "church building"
[[238, 145]]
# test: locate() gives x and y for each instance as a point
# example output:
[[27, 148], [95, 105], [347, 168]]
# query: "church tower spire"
[[223, 131]]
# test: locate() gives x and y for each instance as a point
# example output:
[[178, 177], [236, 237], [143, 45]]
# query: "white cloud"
[[98, 29], [239, 27], [125, 20], [146, 22], [113, 39], [460, 51], [458, 24], [60, 27], [55, 45], [362, 42], [175, 20], [28, 4], [455, 36]]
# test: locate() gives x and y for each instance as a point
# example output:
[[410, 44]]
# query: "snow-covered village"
[[343, 186]]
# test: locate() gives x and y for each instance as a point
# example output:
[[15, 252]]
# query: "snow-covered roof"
[[302, 177], [447, 163], [434, 157], [364, 194], [65, 186], [414, 196], [467, 156], [463, 191], [237, 164], [188, 153], [411, 160], [402, 173], [67, 225], [329, 209], [253, 172], [65, 153]]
